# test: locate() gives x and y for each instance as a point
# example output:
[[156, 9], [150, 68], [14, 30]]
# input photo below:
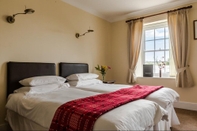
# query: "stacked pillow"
[[42, 80], [83, 79], [41, 84]]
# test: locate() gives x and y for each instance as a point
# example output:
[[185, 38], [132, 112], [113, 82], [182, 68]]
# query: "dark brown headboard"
[[66, 69], [17, 71]]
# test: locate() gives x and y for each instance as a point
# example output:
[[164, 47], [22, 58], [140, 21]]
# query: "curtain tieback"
[[131, 71], [181, 69]]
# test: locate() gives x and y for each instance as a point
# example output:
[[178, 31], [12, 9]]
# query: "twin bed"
[[27, 111]]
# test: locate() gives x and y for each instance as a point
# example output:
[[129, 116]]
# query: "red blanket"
[[81, 114]]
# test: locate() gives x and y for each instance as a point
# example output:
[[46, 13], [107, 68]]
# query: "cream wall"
[[120, 60], [48, 35]]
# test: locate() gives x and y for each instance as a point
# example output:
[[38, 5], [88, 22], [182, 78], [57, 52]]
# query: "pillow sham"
[[41, 80], [85, 82], [42, 88], [82, 76]]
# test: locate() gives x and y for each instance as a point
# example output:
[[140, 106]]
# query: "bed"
[[26, 111], [15, 72], [165, 97]]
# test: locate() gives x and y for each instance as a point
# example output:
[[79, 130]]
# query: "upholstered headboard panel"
[[66, 69], [17, 71]]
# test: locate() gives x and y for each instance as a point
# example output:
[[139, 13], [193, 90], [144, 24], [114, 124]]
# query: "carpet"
[[188, 120]]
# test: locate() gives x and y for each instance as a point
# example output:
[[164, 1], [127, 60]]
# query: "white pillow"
[[41, 80], [84, 82], [42, 88], [82, 76], [22, 90]]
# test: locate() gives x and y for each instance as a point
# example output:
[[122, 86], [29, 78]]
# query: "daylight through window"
[[156, 48]]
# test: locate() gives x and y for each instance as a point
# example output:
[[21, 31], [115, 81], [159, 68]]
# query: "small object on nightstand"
[[109, 82]]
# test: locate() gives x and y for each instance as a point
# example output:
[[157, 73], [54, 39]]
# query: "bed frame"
[[17, 71], [66, 69]]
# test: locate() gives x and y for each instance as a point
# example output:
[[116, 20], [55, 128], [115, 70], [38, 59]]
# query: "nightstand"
[[109, 82]]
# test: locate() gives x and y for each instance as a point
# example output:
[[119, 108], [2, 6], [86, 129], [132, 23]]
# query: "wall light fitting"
[[11, 19], [77, 35]]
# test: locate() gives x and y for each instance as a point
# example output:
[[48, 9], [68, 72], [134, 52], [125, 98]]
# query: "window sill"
[[170, 78]]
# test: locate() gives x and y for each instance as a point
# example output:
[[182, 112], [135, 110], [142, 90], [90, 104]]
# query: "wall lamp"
[[10, 19], [77, 35]]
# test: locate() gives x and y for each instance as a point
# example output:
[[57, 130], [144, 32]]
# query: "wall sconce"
[[10, 19], [77, 35]]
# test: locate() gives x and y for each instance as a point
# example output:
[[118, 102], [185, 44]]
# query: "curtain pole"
[[160, 13]]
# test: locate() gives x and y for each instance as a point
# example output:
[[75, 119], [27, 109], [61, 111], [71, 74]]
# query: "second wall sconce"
[[77, 35], [10, 19]]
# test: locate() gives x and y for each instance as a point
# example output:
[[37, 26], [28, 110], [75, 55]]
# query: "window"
[[156, 48]]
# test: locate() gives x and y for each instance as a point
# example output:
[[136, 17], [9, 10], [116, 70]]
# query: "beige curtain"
[[178, 23], [135, 29]]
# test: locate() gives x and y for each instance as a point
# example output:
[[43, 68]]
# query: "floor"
[[188, 120]]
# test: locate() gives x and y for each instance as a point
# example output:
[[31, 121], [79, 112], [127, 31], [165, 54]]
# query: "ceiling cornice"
[[153, 10], [140, 13]]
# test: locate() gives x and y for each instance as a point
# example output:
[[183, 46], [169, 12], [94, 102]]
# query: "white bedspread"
[[40, 108], [163, 97]]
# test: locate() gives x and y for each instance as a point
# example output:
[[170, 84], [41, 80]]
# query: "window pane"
[[149, 35], [167, 57], [159, 33], [149, 57], [167, 44], [167, 32], [149, 45], [167, 69], [159, 44], [156, 47], [157, 69], [159, 55]]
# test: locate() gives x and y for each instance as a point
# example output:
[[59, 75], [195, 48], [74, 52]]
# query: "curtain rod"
[[160, 13]]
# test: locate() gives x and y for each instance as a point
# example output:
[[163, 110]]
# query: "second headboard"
[[66, 69]]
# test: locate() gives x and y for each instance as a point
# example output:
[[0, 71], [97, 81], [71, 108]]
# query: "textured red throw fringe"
[[81, 114]]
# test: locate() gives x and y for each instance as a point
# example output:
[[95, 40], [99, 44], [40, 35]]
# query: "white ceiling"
[[115, 10]]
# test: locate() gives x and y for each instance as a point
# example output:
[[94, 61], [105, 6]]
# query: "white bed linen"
[[20, 123], [40, 108], [163, 97]]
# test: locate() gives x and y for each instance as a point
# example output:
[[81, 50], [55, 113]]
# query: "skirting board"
[[186, 105]]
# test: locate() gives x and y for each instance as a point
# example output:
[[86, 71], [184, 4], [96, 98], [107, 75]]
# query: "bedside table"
[[109, 82]]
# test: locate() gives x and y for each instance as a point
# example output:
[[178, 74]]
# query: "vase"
[[159, 72], [103, 77]]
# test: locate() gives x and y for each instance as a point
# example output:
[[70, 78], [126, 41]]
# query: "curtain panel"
[[135, 31], [178, 22]]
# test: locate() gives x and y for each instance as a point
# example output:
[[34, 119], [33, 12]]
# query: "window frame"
[[153, 26]]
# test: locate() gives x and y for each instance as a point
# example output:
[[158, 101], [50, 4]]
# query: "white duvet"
[[163, 97], [41, 107]]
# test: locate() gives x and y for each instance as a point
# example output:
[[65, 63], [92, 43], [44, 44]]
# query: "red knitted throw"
[[81, 114]]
